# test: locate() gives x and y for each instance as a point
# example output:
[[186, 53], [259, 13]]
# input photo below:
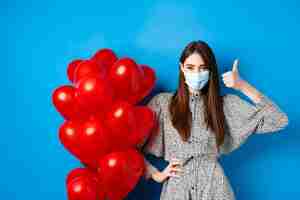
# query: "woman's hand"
[[173, 169], [232, 78]]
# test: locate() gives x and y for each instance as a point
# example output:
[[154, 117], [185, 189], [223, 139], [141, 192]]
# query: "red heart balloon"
[[120, 172], [94, 94], [71, 69], [129, 124], [147, 84], [88, 180], [94, 142], [125, 77], [121, 121], [135, 167], [64, 100], [82, 188], [145, 122], [148, 81], [69, 136], [105, 58], [88, 140], [80, 171], [88, 68]]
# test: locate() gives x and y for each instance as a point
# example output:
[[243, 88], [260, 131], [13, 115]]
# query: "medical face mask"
[[196, 80]]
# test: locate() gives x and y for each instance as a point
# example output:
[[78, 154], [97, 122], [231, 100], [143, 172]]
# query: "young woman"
[[196, 125]]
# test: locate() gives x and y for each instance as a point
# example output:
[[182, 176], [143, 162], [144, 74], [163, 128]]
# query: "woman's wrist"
[[248, 90], [157, 176]]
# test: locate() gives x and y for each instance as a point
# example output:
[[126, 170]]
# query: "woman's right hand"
[[173, 169]]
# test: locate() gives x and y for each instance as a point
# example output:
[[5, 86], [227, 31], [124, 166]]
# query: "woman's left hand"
[[232, 78]]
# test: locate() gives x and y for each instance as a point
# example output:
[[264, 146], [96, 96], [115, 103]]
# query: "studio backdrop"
[[40, 38]]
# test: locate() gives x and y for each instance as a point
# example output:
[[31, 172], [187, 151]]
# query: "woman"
[[196, 125]]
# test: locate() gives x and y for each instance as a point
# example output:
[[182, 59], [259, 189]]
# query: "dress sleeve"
[[154, 144], [243, 119]]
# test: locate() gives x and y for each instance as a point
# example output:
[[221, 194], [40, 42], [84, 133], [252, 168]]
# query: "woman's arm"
[[243, 118], [272, 117]]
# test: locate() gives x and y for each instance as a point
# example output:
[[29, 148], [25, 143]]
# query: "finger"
[[177, 169], [175, 160], [235, 65], [226, 78], [172, 174], [227, 73], [176, 163]]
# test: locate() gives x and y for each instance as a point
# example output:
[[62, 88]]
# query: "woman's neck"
[[191, 91]]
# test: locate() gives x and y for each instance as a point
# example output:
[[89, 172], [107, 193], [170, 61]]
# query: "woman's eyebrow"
[[194, 65]]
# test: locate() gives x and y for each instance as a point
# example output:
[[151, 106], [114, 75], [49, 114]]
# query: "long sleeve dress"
[[203, 177]]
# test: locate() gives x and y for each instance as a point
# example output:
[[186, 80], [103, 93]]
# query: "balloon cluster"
[[104, 124]]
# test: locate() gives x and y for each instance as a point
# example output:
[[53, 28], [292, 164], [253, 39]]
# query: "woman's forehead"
[[194, 59]]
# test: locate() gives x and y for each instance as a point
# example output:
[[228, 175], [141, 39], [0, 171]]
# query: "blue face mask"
[[196, 80]]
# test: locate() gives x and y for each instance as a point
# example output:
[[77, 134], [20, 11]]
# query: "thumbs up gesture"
[[232, 78]]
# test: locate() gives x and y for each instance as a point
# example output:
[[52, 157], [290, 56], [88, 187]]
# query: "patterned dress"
[[203, 177]]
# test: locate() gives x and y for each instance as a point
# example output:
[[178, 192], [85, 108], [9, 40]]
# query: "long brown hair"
[[181, 115]]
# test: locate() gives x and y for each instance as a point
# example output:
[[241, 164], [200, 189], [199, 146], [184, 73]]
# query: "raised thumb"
[[235, 65]]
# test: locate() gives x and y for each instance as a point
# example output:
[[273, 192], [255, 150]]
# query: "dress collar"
[[195, 95]]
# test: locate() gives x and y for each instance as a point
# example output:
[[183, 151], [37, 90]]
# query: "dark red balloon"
[[149, 81], [90, 180], [69, 137], [93, 138], [88, 68], [94, 141], [135, 166], [105, 58], [94, 94], [145, 122], [82, 188], [120, 172], [88, 140], [147, 84], [125, 77], [77, 172], [121, 121], [71, 69], [64, 100]]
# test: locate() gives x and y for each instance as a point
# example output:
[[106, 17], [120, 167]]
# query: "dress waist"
[[200, 157]]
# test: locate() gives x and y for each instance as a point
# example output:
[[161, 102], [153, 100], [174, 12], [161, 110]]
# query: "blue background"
[[39, 39]]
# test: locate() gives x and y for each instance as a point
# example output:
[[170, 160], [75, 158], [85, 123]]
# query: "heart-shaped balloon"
[[120, 172], [87, 68], [94, 94], [146, 84], [89, 183], [145, 122], [82, 187], [72, 67], [125, 77], [69, 137], [128, 124], [121, 122], [105, 58], [87, 140], [64, 100], [149, 81]]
